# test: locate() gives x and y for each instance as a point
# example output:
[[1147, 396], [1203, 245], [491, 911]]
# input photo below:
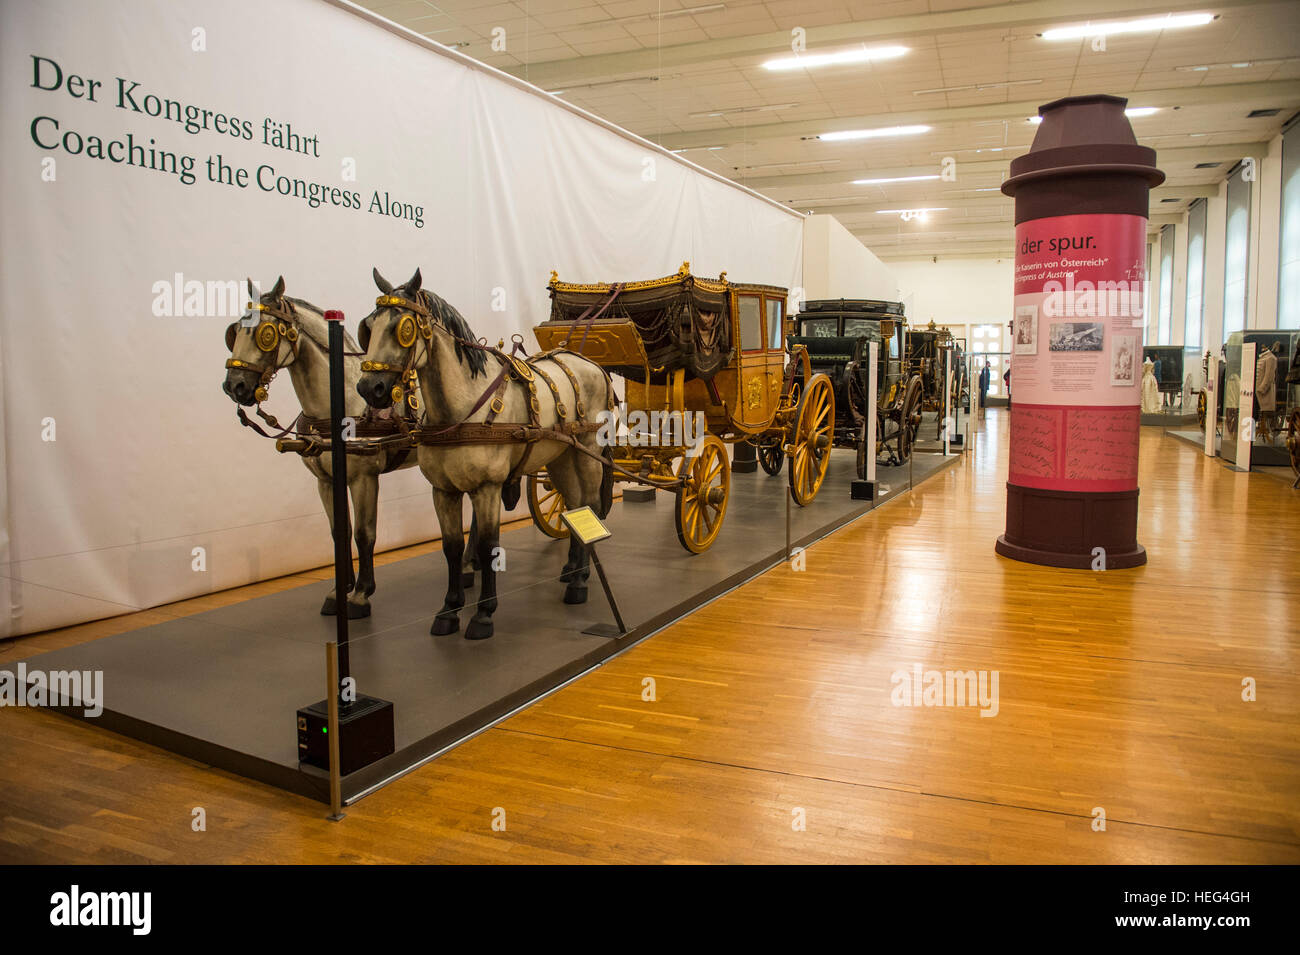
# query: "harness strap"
[[592, 314]]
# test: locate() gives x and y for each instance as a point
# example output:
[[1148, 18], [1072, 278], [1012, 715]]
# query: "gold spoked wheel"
[[546, 504], [702, 497], [811, 443]]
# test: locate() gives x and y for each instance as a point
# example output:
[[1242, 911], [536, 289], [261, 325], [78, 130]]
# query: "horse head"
[[260, 344]]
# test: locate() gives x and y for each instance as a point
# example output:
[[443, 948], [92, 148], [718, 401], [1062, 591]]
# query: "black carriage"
[[837, 334], [926, 350]]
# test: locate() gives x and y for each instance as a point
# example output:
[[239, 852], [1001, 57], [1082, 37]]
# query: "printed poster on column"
[[1076, 342]]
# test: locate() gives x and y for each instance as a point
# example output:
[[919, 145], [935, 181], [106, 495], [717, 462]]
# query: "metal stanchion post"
[[332, 696]]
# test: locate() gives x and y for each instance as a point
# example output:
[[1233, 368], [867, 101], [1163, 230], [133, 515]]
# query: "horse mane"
[[317, 329], [455, 323]]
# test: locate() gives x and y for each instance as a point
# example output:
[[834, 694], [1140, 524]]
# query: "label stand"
[[864, 489]]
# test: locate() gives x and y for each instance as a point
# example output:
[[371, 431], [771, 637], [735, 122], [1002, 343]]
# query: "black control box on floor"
[[365, 734], [862, 491]]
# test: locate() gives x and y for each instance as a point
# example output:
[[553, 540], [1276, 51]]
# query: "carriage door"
[[753, 401]]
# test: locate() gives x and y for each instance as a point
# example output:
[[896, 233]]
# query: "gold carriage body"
[[686, 346]]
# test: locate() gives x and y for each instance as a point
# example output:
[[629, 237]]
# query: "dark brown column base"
[[744, 460], [1062, 528], [1047, 558]]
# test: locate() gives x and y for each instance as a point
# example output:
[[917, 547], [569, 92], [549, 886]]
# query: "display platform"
[[222, 687], [1261, 455], [1169, 420]]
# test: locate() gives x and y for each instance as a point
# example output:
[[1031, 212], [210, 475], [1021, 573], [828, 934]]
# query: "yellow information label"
[[583, 523]]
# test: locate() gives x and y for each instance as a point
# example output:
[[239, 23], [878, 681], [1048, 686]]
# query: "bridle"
[[281, 325], [414, 325]]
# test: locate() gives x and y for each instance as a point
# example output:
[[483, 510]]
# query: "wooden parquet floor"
[[1119, 691]]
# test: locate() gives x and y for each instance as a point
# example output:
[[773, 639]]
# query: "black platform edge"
[[314, 783]]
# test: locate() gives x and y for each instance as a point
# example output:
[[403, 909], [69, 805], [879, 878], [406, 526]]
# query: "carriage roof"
[[679, 321]]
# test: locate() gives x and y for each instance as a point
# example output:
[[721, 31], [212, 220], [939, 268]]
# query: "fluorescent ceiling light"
[[847, 134], [792, 164], [1137, 112], [742, 109], [1169, 21], [894, 212], [977, 87], [861, 54], [667, 14], [878, 182]]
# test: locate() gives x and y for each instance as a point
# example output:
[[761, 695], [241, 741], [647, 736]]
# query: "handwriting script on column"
[[1035, 441], [1101, 444]]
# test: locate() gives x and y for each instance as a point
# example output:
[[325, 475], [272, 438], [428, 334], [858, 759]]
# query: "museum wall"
[[837, 265], [956, 291], [129, 482]]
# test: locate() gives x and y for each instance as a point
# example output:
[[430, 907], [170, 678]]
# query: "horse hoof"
[[329, 608], [445, 625], [574, 594], [357, 611], [467, 578], [480, 628]]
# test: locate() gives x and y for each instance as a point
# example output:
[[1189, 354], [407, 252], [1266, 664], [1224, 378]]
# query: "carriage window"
[[775, 329], [818, 327], [858, 327], [750, 308]]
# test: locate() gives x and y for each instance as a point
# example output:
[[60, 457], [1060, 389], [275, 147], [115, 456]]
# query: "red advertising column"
[[1076, 337]]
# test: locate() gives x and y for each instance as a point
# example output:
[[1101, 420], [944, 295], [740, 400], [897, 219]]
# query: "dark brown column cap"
[[1084, 135]]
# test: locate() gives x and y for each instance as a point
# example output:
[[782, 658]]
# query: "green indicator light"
[[324, 729]]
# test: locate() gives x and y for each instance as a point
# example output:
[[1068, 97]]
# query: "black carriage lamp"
[[363, 724]]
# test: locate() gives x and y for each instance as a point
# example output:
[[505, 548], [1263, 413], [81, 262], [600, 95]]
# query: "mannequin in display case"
[[1150, 389]]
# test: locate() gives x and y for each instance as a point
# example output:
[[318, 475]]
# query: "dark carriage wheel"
[[909, 419], [771, 457]]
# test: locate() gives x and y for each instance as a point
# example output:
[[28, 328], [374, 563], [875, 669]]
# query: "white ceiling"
[[660, 68]]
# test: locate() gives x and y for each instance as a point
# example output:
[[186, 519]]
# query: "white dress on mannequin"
[[1150, 389]]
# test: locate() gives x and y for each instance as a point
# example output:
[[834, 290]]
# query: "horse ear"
[[382, 283], [413, 286], [252, 291], [363, 334], [231, 330], [278, 291]]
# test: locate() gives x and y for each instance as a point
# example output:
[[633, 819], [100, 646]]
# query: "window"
[[819, 327], [1236, 254], [1194, 319], [1166, 285], [751, 321], [775, 332], [1146, 295], [1288, 277]]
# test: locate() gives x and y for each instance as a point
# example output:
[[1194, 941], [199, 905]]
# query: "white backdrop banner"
[[154, 151]]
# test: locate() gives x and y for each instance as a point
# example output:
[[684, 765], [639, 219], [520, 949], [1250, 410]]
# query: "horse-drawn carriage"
[[836, 334], [690, 350], [926, 351]]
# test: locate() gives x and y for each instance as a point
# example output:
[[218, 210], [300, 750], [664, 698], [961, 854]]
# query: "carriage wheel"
[[702, 496], [812, 440], [1201, 407], [909, 419], [546, 504], [771, 457]]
